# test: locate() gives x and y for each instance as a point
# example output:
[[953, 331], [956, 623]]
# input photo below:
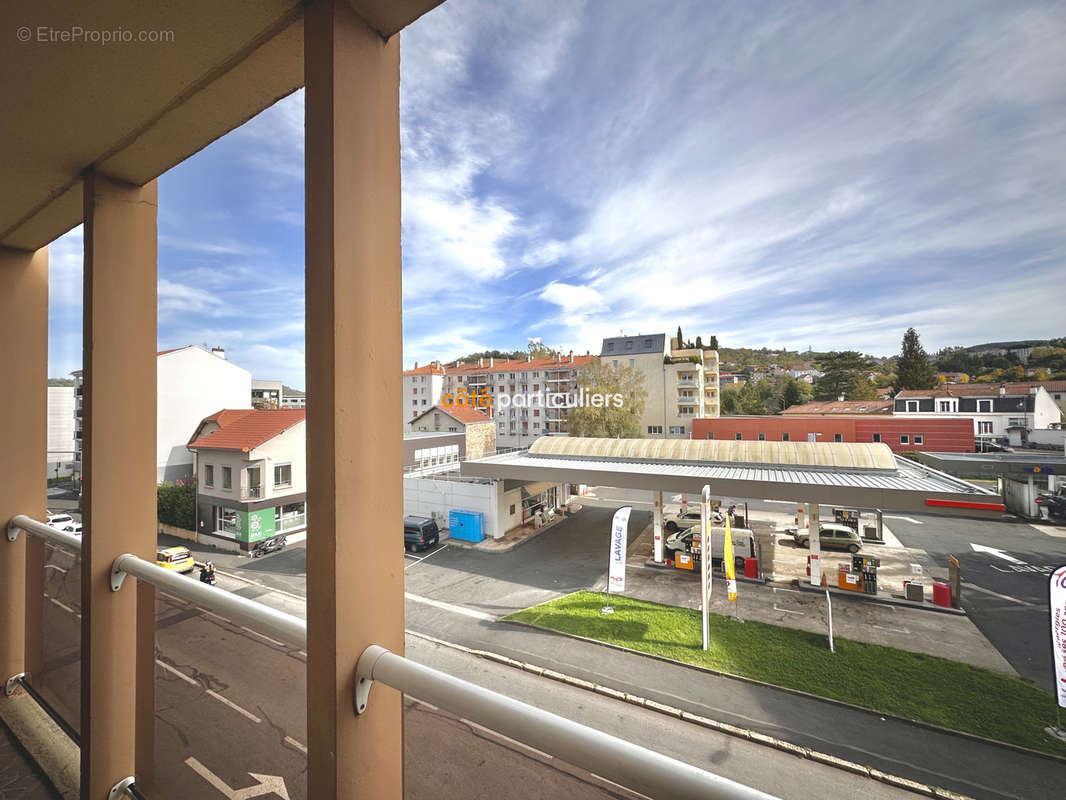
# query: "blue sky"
[[777, 174]]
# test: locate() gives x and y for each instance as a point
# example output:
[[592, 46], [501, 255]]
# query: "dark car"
[[419, 533]]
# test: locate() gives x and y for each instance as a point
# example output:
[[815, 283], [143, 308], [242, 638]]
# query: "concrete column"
[[354, 469], [24, 434], [657, 527], [814, 523], [801, 515], [118, 489]]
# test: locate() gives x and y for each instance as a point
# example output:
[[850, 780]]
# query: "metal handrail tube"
[[617, 760], [42, 531], [285, 627]]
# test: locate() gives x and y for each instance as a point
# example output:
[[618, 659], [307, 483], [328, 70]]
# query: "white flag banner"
[[616, 573], [1058, 632]]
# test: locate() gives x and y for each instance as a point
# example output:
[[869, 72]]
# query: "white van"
[[743, 543]]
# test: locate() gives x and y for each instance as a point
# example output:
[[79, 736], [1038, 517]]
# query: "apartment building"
[[60, 431], [422, 388], [191, 383], [993, 408], [682, 383], [251, 468], [275, 394]]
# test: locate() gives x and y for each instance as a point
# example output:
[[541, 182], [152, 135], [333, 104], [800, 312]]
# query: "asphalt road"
[[1005, 592], [233, 701]]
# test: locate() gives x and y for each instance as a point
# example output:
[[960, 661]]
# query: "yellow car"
[[178, 559]]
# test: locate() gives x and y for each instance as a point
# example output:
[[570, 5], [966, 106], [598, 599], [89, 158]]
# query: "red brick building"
[[899, 433]]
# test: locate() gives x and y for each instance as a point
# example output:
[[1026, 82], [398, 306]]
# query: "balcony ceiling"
[[133, 109]]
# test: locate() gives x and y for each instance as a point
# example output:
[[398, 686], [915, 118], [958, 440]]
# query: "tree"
[[537, 349], [913, 369], [615, 419], [714, 343], [794, 393], [699, 343], [680, 341], [176, 505], [730, 405], [843, 372]]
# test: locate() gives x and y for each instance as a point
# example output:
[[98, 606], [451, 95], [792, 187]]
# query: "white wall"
[[1045, 410], [192, 384], [422, 496], [60, 429]]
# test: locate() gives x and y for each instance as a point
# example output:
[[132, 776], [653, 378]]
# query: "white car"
[[681, 521], [58, 521], [743, 543], [72, 527]]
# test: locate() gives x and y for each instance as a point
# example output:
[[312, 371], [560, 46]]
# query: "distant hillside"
[[60, 381], [975, 348]]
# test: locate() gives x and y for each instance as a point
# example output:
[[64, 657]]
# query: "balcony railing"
[[251, 492], [624, 763]]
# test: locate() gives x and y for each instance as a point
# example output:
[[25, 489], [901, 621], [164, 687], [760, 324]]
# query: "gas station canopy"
[[859, 475]]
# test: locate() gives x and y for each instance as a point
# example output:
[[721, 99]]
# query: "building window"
[[677, 430], [647, 342], [919, 438], [710, 434], [738, 436], [536, 412], [512, 509], [984, 406], [784, 437], [877, 437], [655, 430], [289, 516], [255, 486], [536, 386], [945, 406], [904, 439], [984, 427], [209, 475], [282, 476], [912, 405], [762, 437], [629, 344], [837, 437], [227, 477]]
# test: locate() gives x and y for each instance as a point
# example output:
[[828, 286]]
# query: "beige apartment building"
[[682, 384]]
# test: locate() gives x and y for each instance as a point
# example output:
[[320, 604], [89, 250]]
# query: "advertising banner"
[[728, 564], [1058, 632], [616, 571]]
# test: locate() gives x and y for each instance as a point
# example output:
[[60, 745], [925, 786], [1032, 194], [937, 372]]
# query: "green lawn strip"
[[912, 685]]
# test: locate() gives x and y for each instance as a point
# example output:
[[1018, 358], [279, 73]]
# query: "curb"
[[891, 600], [705, 722], [799, 693]]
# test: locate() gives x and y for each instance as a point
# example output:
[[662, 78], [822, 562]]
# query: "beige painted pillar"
[[118, 490], [24, 433], [354, 463]]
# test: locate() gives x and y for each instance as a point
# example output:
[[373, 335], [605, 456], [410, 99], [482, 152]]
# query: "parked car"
[[831, 536], [679, 521], [743, 543], [58, 520], [419, 533], [178, 559], [72, 527]]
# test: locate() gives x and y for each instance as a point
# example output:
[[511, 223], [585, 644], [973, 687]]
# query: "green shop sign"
[[256, 525]]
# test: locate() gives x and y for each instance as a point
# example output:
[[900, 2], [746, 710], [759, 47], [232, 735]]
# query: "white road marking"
[[234, 706], [912, 520], [515, 742], [302, 748], [983, 590], [65, 607], [783, 589], [892, 630], [466, 612], [265, 784], [787, 611], [264, 636], [419, 560], [995, 551], [177, 672]]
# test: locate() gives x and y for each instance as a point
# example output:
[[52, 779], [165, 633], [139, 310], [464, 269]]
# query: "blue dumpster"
[[466, 525]]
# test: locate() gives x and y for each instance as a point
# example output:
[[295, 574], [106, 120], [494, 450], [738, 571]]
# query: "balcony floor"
[[20, 779]]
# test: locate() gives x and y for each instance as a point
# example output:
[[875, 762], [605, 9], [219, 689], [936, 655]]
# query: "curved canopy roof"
[[832, 455]]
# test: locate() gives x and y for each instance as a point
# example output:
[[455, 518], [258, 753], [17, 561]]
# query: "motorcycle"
[[207, 574], [1054, 504], [268, 546]]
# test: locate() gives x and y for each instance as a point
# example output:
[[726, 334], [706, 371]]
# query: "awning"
[[536, 487]]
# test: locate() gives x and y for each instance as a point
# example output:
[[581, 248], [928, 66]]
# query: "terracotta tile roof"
[[879, 406], [971, 390], [461, 413], [245, 429], [516, 364], [426, 369], [174, 349]]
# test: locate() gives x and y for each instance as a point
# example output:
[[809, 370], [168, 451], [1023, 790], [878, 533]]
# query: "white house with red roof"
[[191, 383], [994, 408], [251, 471]]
